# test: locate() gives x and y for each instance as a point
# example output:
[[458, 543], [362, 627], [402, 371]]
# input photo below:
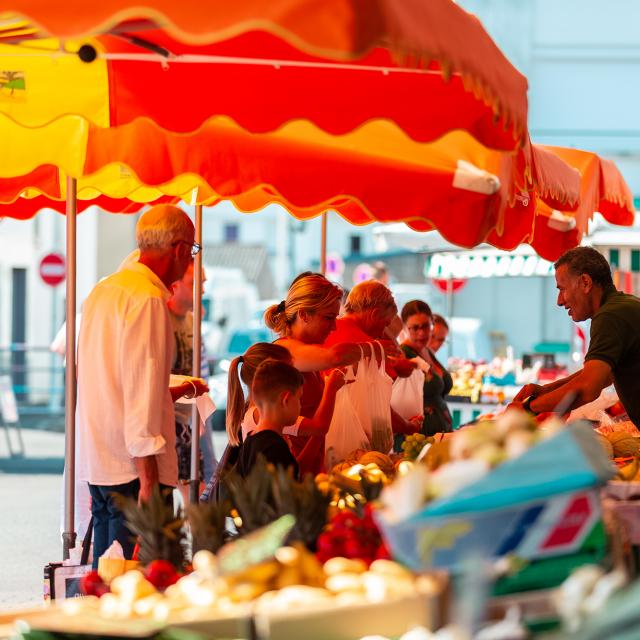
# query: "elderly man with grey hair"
[[125, 413]]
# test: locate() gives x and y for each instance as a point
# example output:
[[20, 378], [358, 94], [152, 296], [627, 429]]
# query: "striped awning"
[[489, 264]]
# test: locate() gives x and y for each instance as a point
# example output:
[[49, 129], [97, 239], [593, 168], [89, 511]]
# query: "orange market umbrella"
[[419, 33], [68, 103], [448, 74], [375, 173], [602, 189]]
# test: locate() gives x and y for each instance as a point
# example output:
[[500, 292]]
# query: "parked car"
[[237, 342]]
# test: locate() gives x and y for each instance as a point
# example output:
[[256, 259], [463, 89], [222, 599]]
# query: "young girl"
[[243, 416]]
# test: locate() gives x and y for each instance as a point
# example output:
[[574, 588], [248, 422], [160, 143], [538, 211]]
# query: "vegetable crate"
[[540, 506]]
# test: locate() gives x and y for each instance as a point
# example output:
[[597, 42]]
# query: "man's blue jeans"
[[108, 521]]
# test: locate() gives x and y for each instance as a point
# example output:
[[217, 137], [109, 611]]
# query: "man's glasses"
[[195, 247]]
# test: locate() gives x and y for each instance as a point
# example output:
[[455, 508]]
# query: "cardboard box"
[[391, 618]]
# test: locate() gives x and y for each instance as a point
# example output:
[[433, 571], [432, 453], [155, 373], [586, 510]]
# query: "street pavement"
[[30, 495]]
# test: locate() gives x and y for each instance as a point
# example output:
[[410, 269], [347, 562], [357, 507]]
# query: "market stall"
[[94, 136], [380, 543], [499, 512]]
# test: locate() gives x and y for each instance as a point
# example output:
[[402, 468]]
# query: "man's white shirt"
[[125, 351]]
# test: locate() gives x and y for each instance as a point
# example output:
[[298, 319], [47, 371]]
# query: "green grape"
[[413, 445]]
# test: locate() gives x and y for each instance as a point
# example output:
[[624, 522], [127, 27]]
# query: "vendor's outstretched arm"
[[585, 384], [539, 389]]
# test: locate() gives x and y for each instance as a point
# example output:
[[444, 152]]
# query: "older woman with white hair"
[[369, 311]]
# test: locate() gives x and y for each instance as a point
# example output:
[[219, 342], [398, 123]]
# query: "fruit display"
[[352, 536], [623, 444], [494, 441], [461, 458], [292, 576], [360, 479], [413, 445], [467, 381], [497, 381]]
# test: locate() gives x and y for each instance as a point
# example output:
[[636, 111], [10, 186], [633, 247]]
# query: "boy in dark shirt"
[[276, 391]]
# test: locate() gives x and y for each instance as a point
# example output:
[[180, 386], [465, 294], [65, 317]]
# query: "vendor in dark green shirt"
[[586, 291]]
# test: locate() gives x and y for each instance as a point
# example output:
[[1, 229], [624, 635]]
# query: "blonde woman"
[[303, 320]]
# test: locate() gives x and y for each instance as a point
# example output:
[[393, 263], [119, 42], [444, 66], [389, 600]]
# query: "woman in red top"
[[303, 321], [368, 312]]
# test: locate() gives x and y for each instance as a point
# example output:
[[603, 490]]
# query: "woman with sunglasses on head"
[[418, 321]]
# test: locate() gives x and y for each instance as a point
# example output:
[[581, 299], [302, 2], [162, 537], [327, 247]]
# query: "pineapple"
[[161, 534], [304, 501], [268, 493], [208, 524], [251, 497]]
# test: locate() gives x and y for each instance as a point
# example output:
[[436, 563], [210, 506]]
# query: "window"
[[231, 232], [355, 245], [614, 258], [635, 260]]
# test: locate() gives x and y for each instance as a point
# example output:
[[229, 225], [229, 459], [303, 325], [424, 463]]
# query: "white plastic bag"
[[346, 433], [380, 387], [407, 395], [359, 391]]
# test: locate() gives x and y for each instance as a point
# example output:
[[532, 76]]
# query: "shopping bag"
[[407, 395], [380, 387], [62, 581], [345, 431], [358, 391]]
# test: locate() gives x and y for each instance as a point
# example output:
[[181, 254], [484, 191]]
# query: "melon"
[[624, 445], [606, 445], [382, 460]]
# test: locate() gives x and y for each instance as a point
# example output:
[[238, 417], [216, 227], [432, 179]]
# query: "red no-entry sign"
[[52, 269]]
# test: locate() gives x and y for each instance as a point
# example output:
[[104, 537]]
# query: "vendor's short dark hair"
[[586, 260]]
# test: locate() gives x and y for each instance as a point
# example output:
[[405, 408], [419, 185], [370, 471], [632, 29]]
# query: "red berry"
[[383, 553], [161, 574], [325, 543], [91, 584], [345, 520], [353, 549]]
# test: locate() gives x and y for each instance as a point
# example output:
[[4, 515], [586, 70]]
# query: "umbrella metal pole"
[[197, 353], [323, 245], [450, 315], [69, 534]]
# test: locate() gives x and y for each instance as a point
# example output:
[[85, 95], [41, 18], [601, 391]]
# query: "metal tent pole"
[[323, 245], [69, 534], [197, 353], [450, 314]]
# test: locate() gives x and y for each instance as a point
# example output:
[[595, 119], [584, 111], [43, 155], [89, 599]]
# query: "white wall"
[[293, 245], [582, 59]]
